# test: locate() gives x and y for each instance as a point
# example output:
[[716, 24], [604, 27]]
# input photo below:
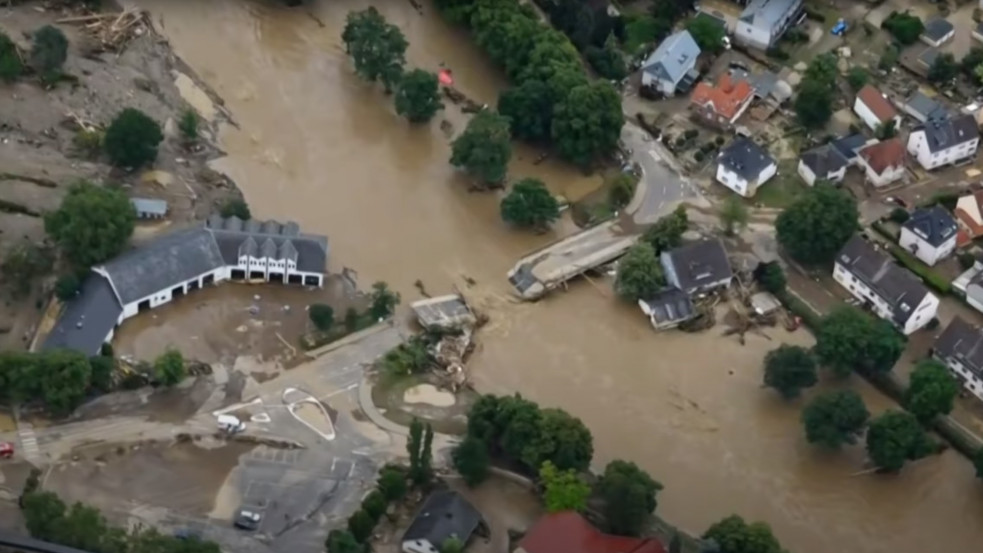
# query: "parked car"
[[6, 450], [247, 519]]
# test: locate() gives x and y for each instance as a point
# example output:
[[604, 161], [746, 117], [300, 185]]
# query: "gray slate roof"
[[699, 263], [899, 288], [944, 133], [281, 241], [87, 319], [671, 60], [766, 14], [444, 514], [848, 146], [745, 158], [933, 224], [962, 342], [936, 28], [928, 56], [149, 206], [671, 305], [824, 160], [923, 108]]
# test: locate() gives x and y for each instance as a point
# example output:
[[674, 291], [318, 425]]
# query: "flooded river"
[[321, 147]]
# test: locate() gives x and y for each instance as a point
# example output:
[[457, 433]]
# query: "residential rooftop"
[[877, 103], [884, 155], [700, 263], [824, 160], [671, 59], [896, 286], [937, 28], [962, 342], [745, 158], [932, 224], [444, 514], [943, 133]]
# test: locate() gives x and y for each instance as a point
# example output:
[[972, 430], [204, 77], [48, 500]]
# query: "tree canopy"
[[789, 369], [169, 367], [629, 495], [667, 232], [814, 101], [530, 108], [770, 276], [382, 301], [132, 139], [608, 60], [850, 339], [377, 47], [529, 204], [708, 33], [639, 273], [483, 149], [471, 460], [733, 215], [931, 390], [834, 419], [93, 223], [905, 28], [342, 541], [11, 66], [49, 51], [894, 438], [943, 69], [418, 96], [322, 315], [587, 123], [817, 224], [733, 535], [565, 490], [59, 379]]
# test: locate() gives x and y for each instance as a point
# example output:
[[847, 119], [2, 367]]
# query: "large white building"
[[930, 234], [944, 141], [960, 347], [181, 262], [763, 22], [891, 292]]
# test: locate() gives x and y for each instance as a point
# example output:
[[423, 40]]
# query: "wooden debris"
[[113, 30]]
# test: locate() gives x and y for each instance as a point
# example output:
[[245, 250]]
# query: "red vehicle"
[[6, 450]]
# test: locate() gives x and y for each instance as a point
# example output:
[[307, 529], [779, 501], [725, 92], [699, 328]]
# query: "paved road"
[[661, 185]]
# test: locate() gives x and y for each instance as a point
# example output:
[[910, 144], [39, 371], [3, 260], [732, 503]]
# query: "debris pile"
[[112, 30], [450, 323]]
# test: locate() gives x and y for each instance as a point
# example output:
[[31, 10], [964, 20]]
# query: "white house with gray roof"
[[763, 22], [944, 141], [960, 347], [930, 234], [743, 166], [891, 292], [183, 261], [671, 66]]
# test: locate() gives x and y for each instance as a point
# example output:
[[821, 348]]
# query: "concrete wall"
[[165, 296]]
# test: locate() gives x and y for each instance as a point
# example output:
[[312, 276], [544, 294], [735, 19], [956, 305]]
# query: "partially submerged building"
[[180, 262], [698, 267], [960, 348], [569, 532], [668, 309], [444, 515]]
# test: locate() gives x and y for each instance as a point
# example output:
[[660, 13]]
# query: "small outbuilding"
[[937, 31], [148, 208], [668, 309], [764, 303], [444, 312]]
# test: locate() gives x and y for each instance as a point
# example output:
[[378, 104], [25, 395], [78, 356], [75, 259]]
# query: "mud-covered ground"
[[38, 126]]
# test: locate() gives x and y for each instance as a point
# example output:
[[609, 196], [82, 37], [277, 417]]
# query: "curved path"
[[662, 184]]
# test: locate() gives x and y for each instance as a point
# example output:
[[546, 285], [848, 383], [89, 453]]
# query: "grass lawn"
[[783, 189]]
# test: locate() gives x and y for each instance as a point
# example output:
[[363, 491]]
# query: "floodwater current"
[[321, 147]]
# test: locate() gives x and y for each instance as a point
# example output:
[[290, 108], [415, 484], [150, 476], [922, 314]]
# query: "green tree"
[[342, 541], [770, 276], [377, 47], [43, 514], [235, 207], [931, 391], [132, 139], [621, 190], [971, 61], [609, 61], [471, 460], [943, 69], [894, 438], [978, 463], [92, 224], [529, 107], [667, 232], [382, 301], [11, 66], [102, 367], [360, 524], [322, 315], [587, 123], [530, 204], [563, 440], [733, 535], [639, 273], [886, 130], [822, 69], [392, 484], [905, 28], [857, 77], [813, 104], [564, 489], [418, 447], [49, 51], [375, 504], [418, 96], [708, 34], [789, 369], [733, 215], [188, 124], [410, 357], [23, 265], [834, 419], [850, 339], [351, 319], [67, 286], [452, 545], [169, 367], [676, 543], [889, 58], [817, 224], [483, 149], [629, 497], [426, 456]]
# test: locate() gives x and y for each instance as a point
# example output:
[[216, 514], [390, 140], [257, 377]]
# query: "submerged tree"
[[639, 273], [834, 419], [377, 47], [530, 204], [894, 438], [483, 149], [418, 96], [789, 369]]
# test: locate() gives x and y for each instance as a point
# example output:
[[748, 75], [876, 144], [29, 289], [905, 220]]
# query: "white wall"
[[732, 181], [918, 146], [969, 381], [929, 254], [890, 174], [865, 114], [164, 296], [806, 173], [924, 313], [750, 35], [418, 546], [937, 43]]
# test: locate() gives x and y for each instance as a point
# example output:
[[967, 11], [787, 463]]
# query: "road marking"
[[346, 389], [29, 443], [333, 463]]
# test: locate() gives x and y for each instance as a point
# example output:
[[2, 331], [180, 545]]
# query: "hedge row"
[[933, 279]]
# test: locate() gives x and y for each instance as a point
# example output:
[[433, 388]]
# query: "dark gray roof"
[[936, 28], [849, 145], [164, 262], [87, 319], [932, 224], [700, 263], [928, 56], [672, 59], [923, 108], [964, 343], [309, 251], [671, 305], [944, 133], [444, 514], [824, 160], [899, 288], [745, 158], [766, 14]]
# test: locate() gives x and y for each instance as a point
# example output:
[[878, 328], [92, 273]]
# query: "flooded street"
[[323, 148]]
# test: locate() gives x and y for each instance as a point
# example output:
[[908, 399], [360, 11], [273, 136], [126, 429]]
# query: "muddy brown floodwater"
[[319, 146]]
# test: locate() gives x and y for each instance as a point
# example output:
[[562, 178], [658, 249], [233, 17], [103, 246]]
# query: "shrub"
[[321, 315], [67, 287], [351, 319], [132, 139], [698, 156], [235, 207], [899, 215], [169, 367], [691, 133], [188, 125], [933, 279], [88, 143], [392, 484], [49, 52], [361, 525], [10, 64], [374, 504], [966, 260]]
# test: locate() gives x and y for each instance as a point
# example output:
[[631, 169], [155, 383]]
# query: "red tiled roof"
[[877, 103], [963, 238], [880, 156], [972, 225], [727, 97], [568, 532]]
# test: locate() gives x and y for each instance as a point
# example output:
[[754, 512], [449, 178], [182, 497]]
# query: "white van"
[[230, 424]]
